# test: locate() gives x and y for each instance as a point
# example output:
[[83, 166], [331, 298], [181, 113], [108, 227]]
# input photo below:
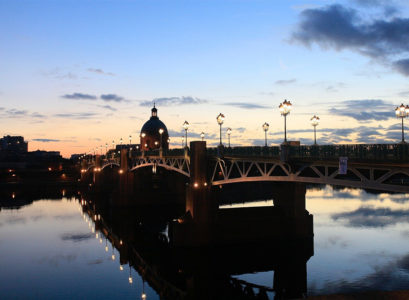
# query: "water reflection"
[[361, 243], [201, 273]]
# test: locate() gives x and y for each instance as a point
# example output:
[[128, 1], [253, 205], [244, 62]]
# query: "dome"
[[151, 138]]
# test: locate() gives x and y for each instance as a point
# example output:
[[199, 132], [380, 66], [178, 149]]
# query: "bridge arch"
[[111, 164]]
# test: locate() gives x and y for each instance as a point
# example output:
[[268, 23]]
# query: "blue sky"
[[77, 74]]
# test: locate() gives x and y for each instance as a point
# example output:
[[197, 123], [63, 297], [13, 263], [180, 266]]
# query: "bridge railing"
[[156, 152], [245, 151], [361, 152]]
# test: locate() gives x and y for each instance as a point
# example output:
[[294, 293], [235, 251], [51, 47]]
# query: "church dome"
[[154, 133]]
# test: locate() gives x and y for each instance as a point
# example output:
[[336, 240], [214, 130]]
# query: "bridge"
[[201, 172], [383, 167]]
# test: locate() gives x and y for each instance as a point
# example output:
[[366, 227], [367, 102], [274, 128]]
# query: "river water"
[[50, 249]]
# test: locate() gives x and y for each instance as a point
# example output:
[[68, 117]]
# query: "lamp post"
[[130, 140], [265, 128], [220, 120], [202, 135], [186, 127], [113, 144], [285, 108], [120, 141], [402, 112], [228, 131], [314, 122]]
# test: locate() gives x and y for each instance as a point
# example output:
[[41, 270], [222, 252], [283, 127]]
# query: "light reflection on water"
[[48, 251], [51, 249]]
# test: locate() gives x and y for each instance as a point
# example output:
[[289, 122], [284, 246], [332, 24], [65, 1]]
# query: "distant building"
[[154, 133], [15, 144], [45, 154]]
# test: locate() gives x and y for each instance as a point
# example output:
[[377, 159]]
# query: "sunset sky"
[[77, 74]]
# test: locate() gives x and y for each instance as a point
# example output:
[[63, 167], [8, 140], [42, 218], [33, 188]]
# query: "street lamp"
[[202, 135], [160, 132], [228, 131], [314, 122], [220, 120], [113, 144], [130, 140], [120, 141], [285, 109], [402, 112], [186, 127], [265, 128]]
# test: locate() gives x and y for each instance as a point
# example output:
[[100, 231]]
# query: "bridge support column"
[[125, 180], [97, 169], [196, 227], [290, 197], [199, 201]]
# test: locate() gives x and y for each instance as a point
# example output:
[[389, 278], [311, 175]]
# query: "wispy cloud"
[[169, 101], [109, 107], [100, 71], [76, 116], [338, 27], [245, 105], [46, 140], [79, 96], [76, 237], [373, 217], [285, 81], [112, 97], [364, 110]]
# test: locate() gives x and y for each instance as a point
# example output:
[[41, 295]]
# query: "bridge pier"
[[96, 172], [290, 197], [125, 181], [205, 224]]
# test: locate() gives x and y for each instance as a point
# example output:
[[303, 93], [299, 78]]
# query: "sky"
[[75, 75]]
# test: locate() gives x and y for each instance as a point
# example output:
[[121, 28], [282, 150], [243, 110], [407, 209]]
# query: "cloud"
[[373, 217], [58, 73], [112, 97], [245, 105], [16, 113], [76, 237], [79, 96], [392, 276], [404, 94], [46, 140], [76, 116], [100, 71], [109, 107], [170, 101], [402, 65], [285, 81], [340, 28], [178, 134], [364, 110]]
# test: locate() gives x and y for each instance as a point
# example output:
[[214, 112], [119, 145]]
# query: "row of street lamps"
[[285, 107]]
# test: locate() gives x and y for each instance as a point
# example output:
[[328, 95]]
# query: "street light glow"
[[314, 122], [402, 112], [285, 108], [265, 128]]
